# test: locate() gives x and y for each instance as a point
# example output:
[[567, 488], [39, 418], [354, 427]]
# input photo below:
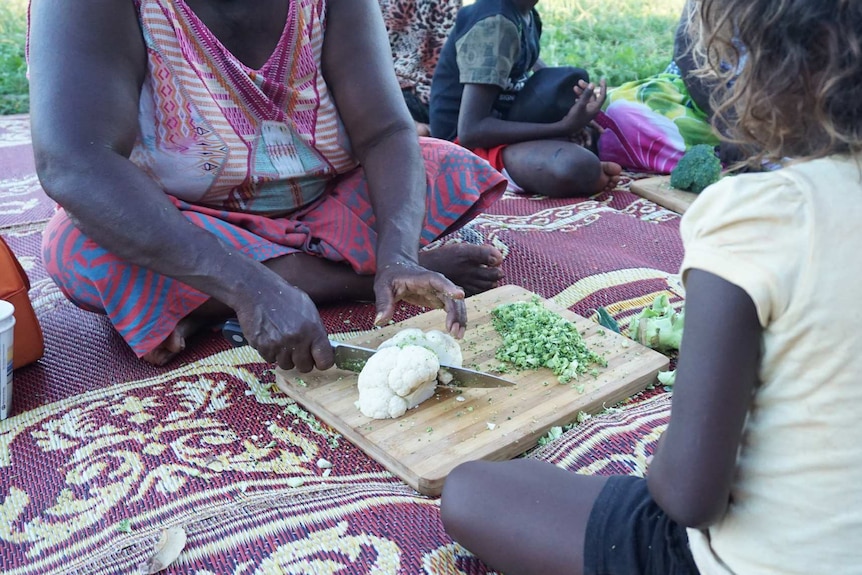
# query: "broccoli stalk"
[[667, 378], [659, 326], [698, 168]]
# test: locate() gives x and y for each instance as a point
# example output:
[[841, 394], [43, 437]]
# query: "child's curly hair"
[[790, 73]]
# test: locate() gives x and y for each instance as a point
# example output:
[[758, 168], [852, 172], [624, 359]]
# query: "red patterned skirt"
[[146, 307]]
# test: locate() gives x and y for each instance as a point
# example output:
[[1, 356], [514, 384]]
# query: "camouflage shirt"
[[492, 43]]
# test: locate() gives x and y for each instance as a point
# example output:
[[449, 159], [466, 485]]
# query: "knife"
[[352, 358]]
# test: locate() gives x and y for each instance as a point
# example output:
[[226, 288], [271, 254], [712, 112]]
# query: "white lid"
[[6, 310]]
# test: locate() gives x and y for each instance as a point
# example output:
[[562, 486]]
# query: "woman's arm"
[[86, 70], [87, 65], [693, 468], [357, 64]]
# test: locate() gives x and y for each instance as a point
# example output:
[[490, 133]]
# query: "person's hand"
[[283, 325], [589, 104], [589, 137], [414, 284]]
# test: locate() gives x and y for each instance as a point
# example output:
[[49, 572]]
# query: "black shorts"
[[628, 534]]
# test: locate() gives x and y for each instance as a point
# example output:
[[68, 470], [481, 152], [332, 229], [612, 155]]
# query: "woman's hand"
[[410, 282], [283, 325]]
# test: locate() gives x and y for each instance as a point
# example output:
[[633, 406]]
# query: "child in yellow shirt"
[[758, 471]]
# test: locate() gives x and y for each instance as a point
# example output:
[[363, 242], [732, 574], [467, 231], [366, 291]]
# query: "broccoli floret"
[[698, 168]]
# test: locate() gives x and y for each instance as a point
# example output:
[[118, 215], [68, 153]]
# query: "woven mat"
[[104, 451]]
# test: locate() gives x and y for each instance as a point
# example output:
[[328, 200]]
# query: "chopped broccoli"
[[658, 326], [698, 168], [124, 526], [534, 337], [553, 434]]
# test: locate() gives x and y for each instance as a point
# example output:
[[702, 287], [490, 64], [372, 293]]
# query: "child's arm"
[[693, 468], [479, 128]]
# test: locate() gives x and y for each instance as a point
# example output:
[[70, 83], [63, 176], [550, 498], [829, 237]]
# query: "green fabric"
[[666, 95]]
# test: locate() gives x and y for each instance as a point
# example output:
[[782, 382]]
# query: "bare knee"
[[574, 173], [555, 169]]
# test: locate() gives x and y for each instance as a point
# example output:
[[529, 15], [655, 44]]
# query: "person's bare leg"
[[521, 517], [474, 268], [558, 168]]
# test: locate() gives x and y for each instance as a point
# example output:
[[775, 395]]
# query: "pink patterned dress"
[[258, 157]]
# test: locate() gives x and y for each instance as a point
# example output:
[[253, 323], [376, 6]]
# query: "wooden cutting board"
[[427, 442], [657, 189]]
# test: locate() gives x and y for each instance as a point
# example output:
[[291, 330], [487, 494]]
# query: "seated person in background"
[[701, 88], [202, 176], [650, 123], [417, 31], [486, 61]]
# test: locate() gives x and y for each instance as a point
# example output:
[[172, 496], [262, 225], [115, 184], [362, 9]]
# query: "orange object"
[[28, 345], [493, 155]]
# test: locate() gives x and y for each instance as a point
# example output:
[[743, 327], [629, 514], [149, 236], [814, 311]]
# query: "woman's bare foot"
[[175, 342], [473, 268], [610, 176]]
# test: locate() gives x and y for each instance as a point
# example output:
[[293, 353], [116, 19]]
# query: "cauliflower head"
[[396, 379], [444, 345]]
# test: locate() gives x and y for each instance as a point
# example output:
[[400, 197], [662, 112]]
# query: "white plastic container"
[[7, 323]]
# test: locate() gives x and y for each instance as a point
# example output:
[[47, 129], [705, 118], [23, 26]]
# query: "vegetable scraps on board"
[[658, 326], [534, 337]]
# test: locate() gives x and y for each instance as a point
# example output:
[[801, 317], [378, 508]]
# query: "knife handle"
[[232, 332]]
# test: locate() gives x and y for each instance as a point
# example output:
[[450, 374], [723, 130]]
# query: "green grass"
[[616, 39], [13, 82], [620, 40]]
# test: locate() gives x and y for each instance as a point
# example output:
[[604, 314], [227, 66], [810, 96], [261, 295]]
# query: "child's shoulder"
[[743, 199], [805, 177], [749, 188], [821, 188], [824, 171]]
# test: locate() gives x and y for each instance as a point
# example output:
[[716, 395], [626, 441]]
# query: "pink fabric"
[[215, 132]]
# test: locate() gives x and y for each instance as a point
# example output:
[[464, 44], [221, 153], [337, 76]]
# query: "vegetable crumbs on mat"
[[534, 337]]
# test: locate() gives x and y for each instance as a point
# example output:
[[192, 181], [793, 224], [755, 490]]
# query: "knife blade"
[[352, 358]]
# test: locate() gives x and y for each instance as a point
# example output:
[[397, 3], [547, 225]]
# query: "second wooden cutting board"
[[658, 189], [425, 444]]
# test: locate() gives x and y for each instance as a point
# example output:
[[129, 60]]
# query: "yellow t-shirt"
[[792, 239]]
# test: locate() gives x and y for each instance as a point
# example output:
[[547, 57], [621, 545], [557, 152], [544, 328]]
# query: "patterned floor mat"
[[104, 451]]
